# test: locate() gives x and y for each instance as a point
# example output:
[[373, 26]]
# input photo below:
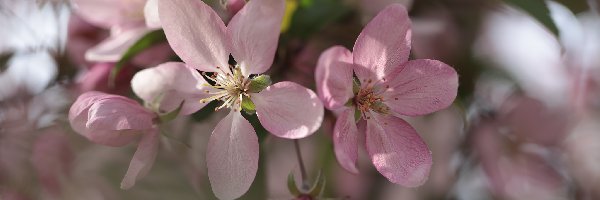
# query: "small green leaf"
[[171, 115], [142, 44], [537, 9], [259, 83], [248, 106], [292, 187]]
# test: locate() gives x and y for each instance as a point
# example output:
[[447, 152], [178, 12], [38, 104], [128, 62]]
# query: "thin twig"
[[302, 169]]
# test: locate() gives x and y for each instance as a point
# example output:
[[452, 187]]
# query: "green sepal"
[[318, 187], [291, 184], [248, 106], [350, 102], [355, 85], [357, 115], [170, 115], [259, 83]]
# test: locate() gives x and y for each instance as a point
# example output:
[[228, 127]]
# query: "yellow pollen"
[[230, 86]]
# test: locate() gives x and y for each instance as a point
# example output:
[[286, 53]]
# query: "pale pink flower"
[[97, 76], [561, 70], [52, 158], [201, 39], [128, 21], [116, 121], [516, 149], [390, 86]]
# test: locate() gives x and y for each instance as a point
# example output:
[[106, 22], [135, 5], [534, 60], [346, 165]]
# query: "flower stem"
[[301, 163]]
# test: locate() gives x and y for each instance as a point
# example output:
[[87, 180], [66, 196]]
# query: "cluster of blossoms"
[[369, 89], [212, 99]]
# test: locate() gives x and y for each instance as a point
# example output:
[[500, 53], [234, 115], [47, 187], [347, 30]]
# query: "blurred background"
[[525, 124]]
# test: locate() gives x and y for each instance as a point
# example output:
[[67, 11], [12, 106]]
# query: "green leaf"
[[142, 44], [171, 115], [291, 184], [248, 106], [313, 15], [306, 3], [259, 83], [538, 9]]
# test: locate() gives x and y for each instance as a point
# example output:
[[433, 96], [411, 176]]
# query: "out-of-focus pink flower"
[[128, 21], [436, 36], [81, 37], [581, 147], [52, 157], [201, 39], [117, 121], [516, 147], [390, 86], [96, 79], [560, 69]]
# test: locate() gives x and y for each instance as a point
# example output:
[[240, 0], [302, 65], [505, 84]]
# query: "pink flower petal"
[[172, 83], [383, 45], [78, 118], [254, 33], [334, 77], [151, 14], [142, 160], [196, 33], [118, 114], [113, 48], [532, 121], [421, 87], [288, 110], [110, 137], [232, 157], [108, 13], [83, 103], [345, 140], [397, 151]]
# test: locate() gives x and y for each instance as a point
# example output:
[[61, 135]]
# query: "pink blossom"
[[204, 43], [117, 121], [561, 70], [128, 21], [516, 147], [96, 79], [52, 157], [388, 85]]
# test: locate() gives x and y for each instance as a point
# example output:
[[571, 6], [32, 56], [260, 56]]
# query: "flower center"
[[231, 88], [367, 99]]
